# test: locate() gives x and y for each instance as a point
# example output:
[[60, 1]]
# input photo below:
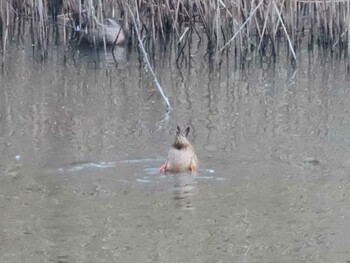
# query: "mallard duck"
[[181, 155]]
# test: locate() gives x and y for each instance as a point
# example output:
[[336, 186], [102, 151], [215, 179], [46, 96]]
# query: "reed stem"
[[145, 56], [226, 24]]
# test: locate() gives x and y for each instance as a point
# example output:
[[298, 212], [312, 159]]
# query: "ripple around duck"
[[79, 166], [88, 165], [149, 171], [145, 175], [154, 176]]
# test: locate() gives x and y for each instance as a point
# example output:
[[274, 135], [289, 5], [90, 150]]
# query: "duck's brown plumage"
[[181, 155]]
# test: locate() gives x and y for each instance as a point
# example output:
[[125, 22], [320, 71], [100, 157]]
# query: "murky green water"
[[80, 146]]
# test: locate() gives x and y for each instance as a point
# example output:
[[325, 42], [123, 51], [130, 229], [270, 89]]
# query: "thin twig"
[[285, 31], [148, 63], [242, 26], [182, 36]]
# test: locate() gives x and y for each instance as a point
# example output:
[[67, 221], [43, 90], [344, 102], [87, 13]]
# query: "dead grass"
[[239, 25]]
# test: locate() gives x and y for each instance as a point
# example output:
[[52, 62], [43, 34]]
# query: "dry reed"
[[239, 25], [165, 98]]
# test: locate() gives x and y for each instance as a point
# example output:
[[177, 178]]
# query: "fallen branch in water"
[[285, 31], [147, 61]]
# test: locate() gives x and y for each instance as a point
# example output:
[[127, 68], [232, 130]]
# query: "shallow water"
[[81, 144]]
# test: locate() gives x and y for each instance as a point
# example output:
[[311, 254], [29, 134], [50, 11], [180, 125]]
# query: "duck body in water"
[[111, 31], [181, 155]]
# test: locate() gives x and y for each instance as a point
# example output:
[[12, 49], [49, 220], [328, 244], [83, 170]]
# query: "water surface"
[[81, 141]]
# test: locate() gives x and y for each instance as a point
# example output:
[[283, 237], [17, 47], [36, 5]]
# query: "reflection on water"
[[96, 58], [184, 189], [81, 145]]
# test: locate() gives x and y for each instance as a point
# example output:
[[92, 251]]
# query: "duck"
[[181, 156], [111, 31]]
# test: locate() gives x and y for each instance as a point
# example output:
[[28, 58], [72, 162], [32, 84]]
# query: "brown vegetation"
[[241, 25]]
